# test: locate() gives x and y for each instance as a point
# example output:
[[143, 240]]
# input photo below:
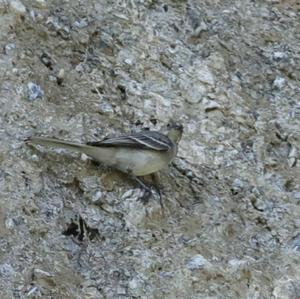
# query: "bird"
[[136, 154]]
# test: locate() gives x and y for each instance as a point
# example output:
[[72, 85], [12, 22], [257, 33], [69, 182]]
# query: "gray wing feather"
[[144, 140]]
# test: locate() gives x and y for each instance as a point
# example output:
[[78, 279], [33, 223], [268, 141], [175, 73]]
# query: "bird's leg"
[[147, 191], [156, 186]]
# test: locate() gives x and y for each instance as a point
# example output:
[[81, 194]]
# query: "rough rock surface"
[[79, 70]]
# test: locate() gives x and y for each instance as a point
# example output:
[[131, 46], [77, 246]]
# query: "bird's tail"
[[57, 143]]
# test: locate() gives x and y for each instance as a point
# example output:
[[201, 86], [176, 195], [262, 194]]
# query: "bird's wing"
[[144, 140]]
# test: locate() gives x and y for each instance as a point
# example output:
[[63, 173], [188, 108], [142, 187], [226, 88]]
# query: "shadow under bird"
[[137, 154]]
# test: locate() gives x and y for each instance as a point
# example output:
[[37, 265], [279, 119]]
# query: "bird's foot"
[[147, 193]]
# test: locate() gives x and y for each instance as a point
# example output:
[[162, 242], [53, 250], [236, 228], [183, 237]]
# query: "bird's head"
[[175, 130]]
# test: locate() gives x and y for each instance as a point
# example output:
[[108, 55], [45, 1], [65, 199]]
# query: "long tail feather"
[[56, 143]]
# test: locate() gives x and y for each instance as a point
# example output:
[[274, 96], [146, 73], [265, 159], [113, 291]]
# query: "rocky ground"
[[79, 70]]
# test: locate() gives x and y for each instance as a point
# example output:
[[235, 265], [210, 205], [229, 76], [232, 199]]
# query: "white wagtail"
[[137, 154]]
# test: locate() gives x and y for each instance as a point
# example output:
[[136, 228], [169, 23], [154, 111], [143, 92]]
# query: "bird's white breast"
[[142, 162]]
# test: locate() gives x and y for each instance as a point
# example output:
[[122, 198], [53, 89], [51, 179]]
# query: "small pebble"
[[60, 76], [277, 56], [297, 195], [279, 82], [17, 7], [197, 262], [96, 197], [33, 292], [35, 158], [106, 108], [34, 91], [6, 270], [210, 105], [121, 290], [201, 28], [46, 60], [40, 3], [128, 61], [84, 157], [38, 273], [296, 243], [81, 24], [9, 223], [52, 78], [9, 48]]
